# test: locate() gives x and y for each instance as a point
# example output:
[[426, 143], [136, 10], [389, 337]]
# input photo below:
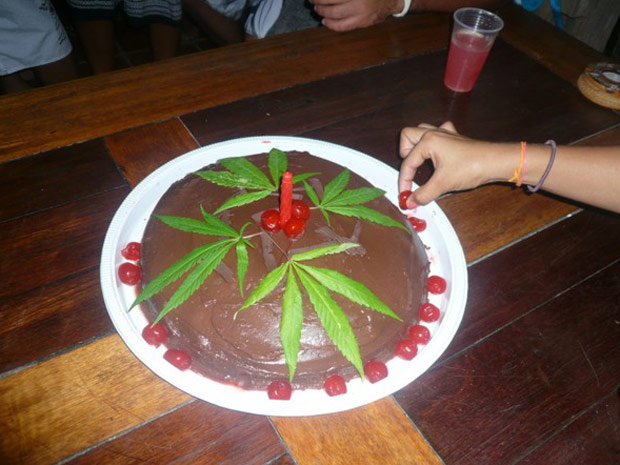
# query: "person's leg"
[[165, 40], [10, 83], [221, 29], [57, 71], [97, 37]]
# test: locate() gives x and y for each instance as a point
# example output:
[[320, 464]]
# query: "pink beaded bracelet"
[[554, 149]]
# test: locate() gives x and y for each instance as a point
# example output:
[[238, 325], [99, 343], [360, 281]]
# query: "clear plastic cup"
[[473, 34]]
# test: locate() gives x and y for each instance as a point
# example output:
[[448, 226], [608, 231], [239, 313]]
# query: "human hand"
[[345, 15], [460, 163]]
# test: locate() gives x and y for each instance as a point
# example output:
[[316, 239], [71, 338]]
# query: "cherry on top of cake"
[[295, 273]]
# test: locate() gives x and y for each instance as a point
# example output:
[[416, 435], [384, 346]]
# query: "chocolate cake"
[[244, 347]]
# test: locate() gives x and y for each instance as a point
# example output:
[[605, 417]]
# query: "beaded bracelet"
[[554, 149], [404, 11]]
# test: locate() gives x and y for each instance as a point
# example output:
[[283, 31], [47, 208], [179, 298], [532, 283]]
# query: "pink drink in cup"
[[472, 37]]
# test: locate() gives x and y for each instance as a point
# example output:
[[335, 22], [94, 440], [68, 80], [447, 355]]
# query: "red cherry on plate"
[[406, 349], [178, 358], [335, 385], [419, 334], [294, 227], [279, 390], [300, 210], [428, 312], [155, 334], [436, 284], [375, 371], [418, 224], [129, 273], [270, 220], [131, 251], [402, 199]]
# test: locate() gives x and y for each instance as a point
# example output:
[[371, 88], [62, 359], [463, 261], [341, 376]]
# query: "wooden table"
[[532, 375]]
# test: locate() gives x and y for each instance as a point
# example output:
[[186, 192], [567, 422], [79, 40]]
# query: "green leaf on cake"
[[228, 179], [334, 187], [196, 278], [192, 225], [242, 263], [176, 270], [243, 174], [265, 286], [242, 199], [297, 178], [277, 163], [357, 196], [336, 199], [349, 288], [246, 170], [314, 198], [218, 225], [328, 250], [333, 319], [291, 323], [365, 213], [317, 282]]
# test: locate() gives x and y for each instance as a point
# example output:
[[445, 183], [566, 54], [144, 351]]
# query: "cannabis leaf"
[[243, 174], [198, 264], [317, 282], [349, 202]]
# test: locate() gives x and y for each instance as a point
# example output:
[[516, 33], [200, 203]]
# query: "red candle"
[[286, 197]]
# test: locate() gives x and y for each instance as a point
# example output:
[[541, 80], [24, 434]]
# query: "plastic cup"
[[473, 34]]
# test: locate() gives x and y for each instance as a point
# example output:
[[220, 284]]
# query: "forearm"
[[586, 174]]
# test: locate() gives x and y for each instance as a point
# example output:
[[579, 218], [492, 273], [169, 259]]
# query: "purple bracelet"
[[554, 149]]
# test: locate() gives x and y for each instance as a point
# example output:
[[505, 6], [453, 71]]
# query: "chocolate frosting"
[[246, 351]]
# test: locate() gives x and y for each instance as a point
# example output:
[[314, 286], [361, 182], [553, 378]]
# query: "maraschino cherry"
[[279, 390]]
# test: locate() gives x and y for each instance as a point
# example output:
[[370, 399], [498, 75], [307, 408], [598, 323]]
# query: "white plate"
[[443, 248]]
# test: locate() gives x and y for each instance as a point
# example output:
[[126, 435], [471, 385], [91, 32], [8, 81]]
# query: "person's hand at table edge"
[[585, 174], [345, 15]]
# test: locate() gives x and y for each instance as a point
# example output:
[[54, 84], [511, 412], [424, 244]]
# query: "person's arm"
[[586, 174], [344, 15]]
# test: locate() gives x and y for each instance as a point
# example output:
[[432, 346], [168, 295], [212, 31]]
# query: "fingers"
[[448, 126], [409, 138], [427, 193]]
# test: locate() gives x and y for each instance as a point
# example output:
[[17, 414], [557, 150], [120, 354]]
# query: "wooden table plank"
[[138, 152], [52, 319], [528, 276], [377, 433], [509, 393], [55, 244], [195, 433], [85, 396], [592, 437], [101, 105], [55, 178]]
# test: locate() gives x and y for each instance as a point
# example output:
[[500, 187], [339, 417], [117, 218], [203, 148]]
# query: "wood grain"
[[55, 244], [51, 318], [528, 274], [140, 151], [378, 433], [55, 178], [591, 437], [196, 433], [509, 393], [72, 401], [101, 105]]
